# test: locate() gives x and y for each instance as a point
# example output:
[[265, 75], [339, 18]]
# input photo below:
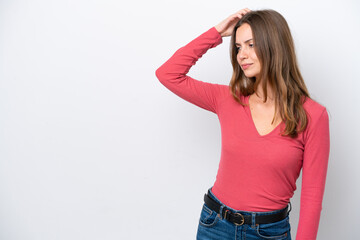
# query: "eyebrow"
[[245, 41]]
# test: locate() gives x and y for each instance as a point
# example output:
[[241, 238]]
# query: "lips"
[[245, 66]]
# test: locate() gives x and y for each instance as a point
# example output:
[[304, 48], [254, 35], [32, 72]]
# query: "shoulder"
[[224, 90], [317, 114], [314, 110]]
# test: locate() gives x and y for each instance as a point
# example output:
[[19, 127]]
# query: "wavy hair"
[[275, 50]]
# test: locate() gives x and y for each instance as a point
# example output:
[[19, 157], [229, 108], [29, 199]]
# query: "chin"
[[249, 75]]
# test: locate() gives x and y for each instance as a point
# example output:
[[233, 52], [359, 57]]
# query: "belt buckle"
[[236, 214], [242, 221]]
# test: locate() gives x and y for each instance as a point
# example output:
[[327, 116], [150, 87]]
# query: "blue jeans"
[[213, 226]]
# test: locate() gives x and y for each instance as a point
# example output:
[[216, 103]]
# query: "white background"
[[92, 146]]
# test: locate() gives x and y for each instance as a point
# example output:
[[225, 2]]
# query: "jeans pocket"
[[208, 217], [276, 231]]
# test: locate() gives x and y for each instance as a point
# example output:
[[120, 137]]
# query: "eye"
[[237, 49], [251, 45]]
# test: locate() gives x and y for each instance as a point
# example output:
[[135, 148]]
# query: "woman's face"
[[246, 55]]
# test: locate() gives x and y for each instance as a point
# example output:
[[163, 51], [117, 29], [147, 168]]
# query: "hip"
[[218, 222]]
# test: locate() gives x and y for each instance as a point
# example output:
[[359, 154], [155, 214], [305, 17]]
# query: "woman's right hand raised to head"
[[226, 27]]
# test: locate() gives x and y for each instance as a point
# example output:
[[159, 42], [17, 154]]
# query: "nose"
[[243, 53]]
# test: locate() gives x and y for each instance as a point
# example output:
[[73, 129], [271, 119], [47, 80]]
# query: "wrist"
[[220, 33]]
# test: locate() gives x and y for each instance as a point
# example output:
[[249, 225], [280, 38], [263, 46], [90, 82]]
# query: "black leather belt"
[[239, 219]]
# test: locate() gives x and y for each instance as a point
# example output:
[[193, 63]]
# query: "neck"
[[259, 93], [262, 96]]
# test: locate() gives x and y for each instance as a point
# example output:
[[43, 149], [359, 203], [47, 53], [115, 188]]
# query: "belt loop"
[[220, 211], [253, 215], [290, 207]]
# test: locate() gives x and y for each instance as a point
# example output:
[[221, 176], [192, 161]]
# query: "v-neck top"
[[256, 172]]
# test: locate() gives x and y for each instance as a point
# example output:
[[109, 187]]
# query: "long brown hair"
[[275, 50]]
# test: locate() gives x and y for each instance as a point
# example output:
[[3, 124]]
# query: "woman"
[[270, 127]]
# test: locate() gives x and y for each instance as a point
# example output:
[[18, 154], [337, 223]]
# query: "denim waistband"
[[244, 212]]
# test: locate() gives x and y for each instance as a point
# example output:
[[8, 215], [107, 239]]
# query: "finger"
[[235, 15], [239, 15], [243, 12]]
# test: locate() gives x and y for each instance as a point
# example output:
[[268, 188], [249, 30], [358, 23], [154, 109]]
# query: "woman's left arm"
[[315, 164]]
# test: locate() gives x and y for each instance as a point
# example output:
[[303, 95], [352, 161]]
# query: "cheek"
[[254, 56], [238, 58]]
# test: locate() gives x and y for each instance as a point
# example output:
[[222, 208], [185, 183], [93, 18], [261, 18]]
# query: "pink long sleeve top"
[[256, 172]]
